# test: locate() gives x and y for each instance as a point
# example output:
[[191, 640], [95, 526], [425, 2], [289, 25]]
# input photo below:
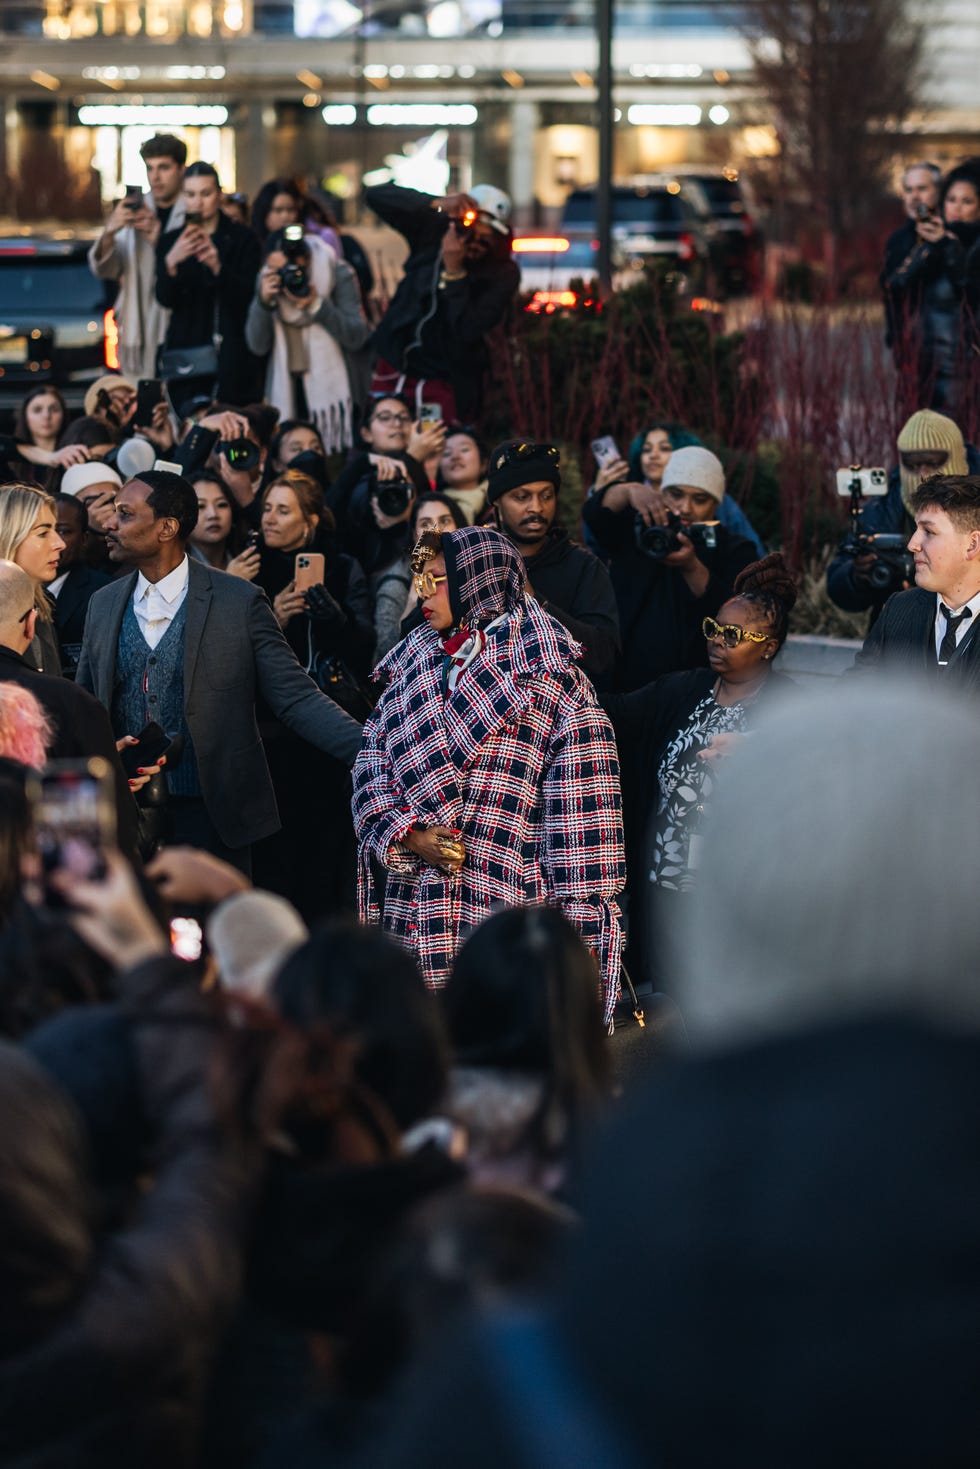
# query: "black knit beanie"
[[509, 469]]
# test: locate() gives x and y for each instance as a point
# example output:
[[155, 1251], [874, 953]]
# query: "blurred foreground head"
[[840, 870]]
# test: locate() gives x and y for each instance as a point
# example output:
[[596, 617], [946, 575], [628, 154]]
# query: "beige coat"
[[129, 258]]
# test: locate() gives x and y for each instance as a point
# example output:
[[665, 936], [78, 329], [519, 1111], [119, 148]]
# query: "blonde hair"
[[25, 730], [20, 506]]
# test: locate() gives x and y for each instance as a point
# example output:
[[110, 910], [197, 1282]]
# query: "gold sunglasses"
[[426, 583], [730, 633]]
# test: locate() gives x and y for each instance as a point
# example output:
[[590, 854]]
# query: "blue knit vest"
[[150, 685]]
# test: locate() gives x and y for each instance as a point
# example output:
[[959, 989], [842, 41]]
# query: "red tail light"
[[686, 251], [549, 301], [111, 340]]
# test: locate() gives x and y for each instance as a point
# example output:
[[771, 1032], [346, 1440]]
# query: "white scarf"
[[325, 382]]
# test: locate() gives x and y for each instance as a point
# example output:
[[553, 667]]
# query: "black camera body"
[[241, 453], [294, 275], [895, 564], [658, 541], [393, 496]]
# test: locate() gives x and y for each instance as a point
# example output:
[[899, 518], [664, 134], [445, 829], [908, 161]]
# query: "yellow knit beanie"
[[929, 430]]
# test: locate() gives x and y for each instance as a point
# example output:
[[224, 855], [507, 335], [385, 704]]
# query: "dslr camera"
[[658, 541], [895, 564], [240, 453], [392, 496], [294, 275]]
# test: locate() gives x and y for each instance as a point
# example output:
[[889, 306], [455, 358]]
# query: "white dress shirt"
[[54, 587], [965, 625], [156, 604]]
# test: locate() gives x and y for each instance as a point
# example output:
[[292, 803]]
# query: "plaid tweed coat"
[[519, 758]]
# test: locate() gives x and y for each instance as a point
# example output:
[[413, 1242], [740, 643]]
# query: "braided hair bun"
[[770, 585]]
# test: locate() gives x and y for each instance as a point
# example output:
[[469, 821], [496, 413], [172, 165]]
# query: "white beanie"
[[251, 935], [695, 469], [78, 477]]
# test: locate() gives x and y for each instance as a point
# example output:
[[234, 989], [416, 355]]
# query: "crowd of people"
[[344, 793]]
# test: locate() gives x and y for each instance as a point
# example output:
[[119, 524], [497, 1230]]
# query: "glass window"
[[34, 287]]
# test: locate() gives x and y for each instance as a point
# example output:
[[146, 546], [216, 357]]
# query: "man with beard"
[[459, 281], [569, 583]]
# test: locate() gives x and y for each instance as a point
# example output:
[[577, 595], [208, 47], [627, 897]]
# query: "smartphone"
[[922, 211], [309, 570], [252, 540], [152, 743], [430, 414], [193, 217], [134, 197], [186, 939], [149, 392], [73, 806], [605, 450]]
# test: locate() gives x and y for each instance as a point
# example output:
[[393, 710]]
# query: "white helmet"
[[495, 204]]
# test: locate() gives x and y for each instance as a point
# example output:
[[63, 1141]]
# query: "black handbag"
[[336, 679], [647, 1031], [173, 363]]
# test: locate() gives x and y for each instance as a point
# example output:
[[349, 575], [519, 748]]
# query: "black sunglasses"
[[520, 453]]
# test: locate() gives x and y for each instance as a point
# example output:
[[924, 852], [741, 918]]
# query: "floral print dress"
[[685, 786]]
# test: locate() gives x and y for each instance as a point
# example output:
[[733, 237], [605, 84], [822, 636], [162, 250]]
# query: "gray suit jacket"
[[233, 651], [903, 640]]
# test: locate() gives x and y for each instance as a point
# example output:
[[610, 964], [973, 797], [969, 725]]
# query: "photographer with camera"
[[372, 499], [931, 290], [126, 252], [867, 570], [672, 564], [205, 276], [307, 318], [459, 281]]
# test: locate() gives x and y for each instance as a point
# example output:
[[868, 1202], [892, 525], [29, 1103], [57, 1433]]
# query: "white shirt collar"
[[973, 604], [170, 587]]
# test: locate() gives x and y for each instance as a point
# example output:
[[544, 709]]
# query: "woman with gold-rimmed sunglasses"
[[670, 735]]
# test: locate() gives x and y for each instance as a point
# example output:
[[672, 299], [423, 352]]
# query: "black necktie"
[[948, 645]]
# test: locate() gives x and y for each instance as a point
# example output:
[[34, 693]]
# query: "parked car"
[[553, 266], [55, 323], [658, 219], [741, 238]]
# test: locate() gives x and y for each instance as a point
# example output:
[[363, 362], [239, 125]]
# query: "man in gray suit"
[[191, 649], [932, 629]]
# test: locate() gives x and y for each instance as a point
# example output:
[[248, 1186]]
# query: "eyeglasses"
[[426, 582], [390, 418], [730, 633]]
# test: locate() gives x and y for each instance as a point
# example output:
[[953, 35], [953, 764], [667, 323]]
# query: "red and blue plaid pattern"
[[521, 759], [485, 574]]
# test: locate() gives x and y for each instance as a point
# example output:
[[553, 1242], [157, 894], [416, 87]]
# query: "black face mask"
[[313, 464]]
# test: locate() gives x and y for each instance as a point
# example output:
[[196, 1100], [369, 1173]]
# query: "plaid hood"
[[485, 575]]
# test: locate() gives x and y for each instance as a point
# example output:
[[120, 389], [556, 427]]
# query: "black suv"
[[53, 318], [658, 220], [741, 240]]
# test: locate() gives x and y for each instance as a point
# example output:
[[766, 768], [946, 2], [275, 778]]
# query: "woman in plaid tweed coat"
[[488, 774]]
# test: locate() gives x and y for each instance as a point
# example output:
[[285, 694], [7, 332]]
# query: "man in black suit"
[[192, 649], [75, 583], [932, 629], [79, 723]]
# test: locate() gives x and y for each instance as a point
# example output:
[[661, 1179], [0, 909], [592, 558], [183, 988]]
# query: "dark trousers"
[[193, 827]]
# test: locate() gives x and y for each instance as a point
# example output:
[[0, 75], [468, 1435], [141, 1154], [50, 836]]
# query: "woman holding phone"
[[329, 627], [205, 275]]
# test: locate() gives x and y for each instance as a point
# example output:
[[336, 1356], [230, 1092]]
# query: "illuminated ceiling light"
[[396, 72], [719, 115], [664, 114], [721, 77], [422, 114], [583, 79], [673, 187], [373, 73], [444, 19], [312, 99], [426, 72], [513, 78], [234, 16], [339, 114], [495, 28], [112, 114], [309, 79], [46, 80], [466, 71]]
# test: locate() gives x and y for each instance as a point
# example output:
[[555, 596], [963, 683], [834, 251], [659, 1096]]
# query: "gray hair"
[[932, 168], [840, 872]]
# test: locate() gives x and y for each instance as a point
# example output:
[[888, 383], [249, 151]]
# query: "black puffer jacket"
[[104, 1341], [433, 332]]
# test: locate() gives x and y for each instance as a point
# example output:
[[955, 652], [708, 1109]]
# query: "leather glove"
[[324, 609]]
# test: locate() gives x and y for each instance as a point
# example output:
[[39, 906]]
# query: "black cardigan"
[[191, 296]]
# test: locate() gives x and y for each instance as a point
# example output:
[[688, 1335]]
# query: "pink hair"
[[25, 731]]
